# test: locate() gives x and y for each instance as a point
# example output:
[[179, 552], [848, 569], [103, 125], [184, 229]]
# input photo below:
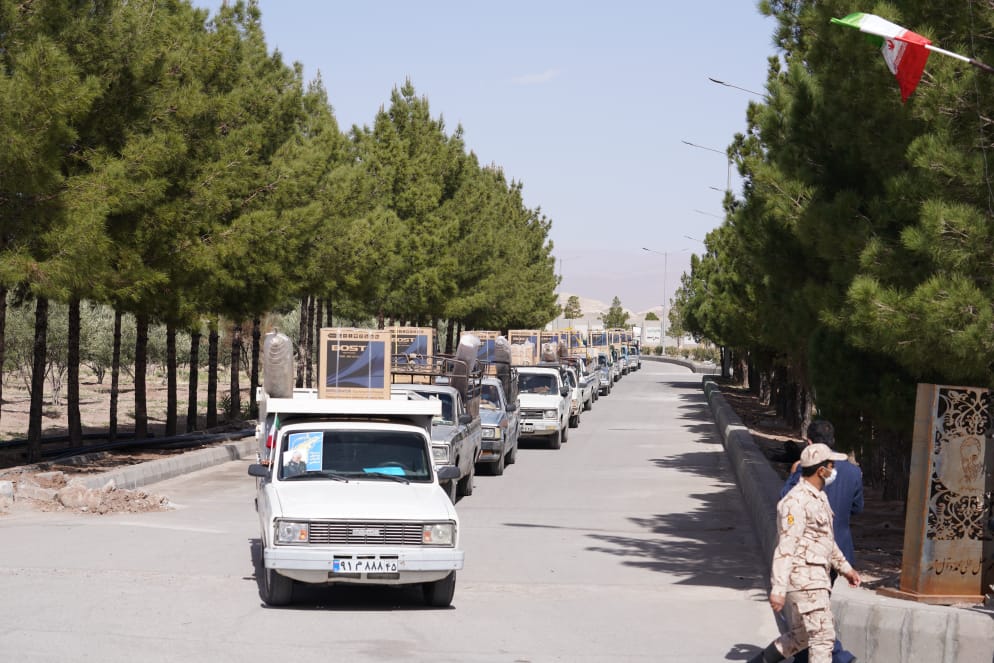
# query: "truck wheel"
[[465, 485], [589, 403], [556, 441], [497, 468], [574, 421], [439, 594], [277, 590]]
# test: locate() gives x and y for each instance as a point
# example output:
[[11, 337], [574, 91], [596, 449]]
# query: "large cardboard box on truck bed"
[[354, 363]]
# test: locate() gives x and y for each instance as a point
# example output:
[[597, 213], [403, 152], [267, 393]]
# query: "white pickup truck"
[[347, 492], [545, 402]]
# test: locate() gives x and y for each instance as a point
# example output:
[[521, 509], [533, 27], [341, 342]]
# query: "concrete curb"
[[875, 628], [153, 471], [696, 367]]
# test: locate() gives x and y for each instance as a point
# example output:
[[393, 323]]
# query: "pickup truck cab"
[[545, 402], [347, 493], [501, 426], [605, 373], [626, 366], [634, 357], [589, 381], [456, 432]]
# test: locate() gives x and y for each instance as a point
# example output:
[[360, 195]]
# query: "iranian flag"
[[906, 52]]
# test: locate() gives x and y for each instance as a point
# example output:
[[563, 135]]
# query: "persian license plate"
[[364, 566], [527, 428]]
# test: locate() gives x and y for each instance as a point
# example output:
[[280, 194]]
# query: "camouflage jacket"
[[806, 548]]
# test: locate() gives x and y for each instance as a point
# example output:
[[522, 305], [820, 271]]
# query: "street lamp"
[[728, 180], [662, 329], [709, 214], [715, 80]]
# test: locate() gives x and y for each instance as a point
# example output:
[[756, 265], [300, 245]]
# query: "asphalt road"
[[628, 544]]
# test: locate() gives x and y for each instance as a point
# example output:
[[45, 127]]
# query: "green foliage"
[[616, 316], [572, 309]]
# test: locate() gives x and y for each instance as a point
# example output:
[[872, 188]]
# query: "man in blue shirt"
[[845, 495]]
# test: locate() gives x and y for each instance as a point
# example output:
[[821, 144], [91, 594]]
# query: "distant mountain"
[[592, 309]]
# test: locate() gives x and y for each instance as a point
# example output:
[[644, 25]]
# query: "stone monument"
[[947, 548]]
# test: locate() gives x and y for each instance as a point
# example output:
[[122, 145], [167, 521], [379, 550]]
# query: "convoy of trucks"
[[357, 479]]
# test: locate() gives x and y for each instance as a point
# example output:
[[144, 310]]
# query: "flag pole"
[[976, 63]]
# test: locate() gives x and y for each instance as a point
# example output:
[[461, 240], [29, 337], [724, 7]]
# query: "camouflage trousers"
[[811, 625]]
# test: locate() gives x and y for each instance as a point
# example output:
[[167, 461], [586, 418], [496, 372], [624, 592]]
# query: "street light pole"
[[728, 179], [662, 326]]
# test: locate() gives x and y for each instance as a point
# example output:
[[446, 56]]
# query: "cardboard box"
[[412, 340], [487, 340], [524, 346], [354, 363]]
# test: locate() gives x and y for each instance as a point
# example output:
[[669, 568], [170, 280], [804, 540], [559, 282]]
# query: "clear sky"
[[585, 103]]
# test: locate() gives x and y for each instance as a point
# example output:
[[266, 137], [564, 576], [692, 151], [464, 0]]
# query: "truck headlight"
[[439, 534], [288, 531], [551, 414], [490, 434], [440, 454]]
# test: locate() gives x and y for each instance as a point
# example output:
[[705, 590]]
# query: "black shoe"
[[769, 655]]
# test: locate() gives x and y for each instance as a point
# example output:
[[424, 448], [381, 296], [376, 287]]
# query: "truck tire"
[[277, 590], [574, 420], [497, 469], [439, 594], [556, 441], [465, 486]]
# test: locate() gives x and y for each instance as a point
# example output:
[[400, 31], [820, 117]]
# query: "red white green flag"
[[906, 52]]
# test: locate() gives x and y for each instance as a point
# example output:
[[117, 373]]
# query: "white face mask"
[[831, 477]]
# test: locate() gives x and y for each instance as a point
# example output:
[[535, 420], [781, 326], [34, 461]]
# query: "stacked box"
[[354, 363], [412, 341], [487, 344], [524, 346]]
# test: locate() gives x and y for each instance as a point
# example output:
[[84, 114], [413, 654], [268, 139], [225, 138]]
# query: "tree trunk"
[[450, 331], [40, 361], [310, 341], [301, 342], [171, 404], [191, 405], [3, 345], [72, 365], [212, 351], [235, 400], [115, 377], [254, 381], [141, 370], [329, 320]]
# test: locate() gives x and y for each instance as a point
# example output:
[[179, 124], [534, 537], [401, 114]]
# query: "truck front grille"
[[531, 414], [366, 533]]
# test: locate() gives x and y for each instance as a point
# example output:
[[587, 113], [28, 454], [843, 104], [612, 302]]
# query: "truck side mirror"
[[448, 473], [465, 418], [258, 470], [511, 407], [564, 391]]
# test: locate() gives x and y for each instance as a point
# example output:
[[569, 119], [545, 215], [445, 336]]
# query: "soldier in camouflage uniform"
[[803, 558]]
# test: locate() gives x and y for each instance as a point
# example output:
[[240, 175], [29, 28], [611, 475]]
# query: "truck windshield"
[[489, 397], [537, 384], [355, 454], [447, 418]]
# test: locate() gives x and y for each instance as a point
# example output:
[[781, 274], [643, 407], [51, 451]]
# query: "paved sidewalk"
[[875, 628]]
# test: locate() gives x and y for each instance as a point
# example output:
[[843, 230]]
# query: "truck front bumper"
[[538, 427], [391, 565]]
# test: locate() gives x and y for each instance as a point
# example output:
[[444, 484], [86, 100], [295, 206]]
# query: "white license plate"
[[527, 428], [364, 566]]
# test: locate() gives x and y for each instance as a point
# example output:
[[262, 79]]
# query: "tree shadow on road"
[[714, 545]]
